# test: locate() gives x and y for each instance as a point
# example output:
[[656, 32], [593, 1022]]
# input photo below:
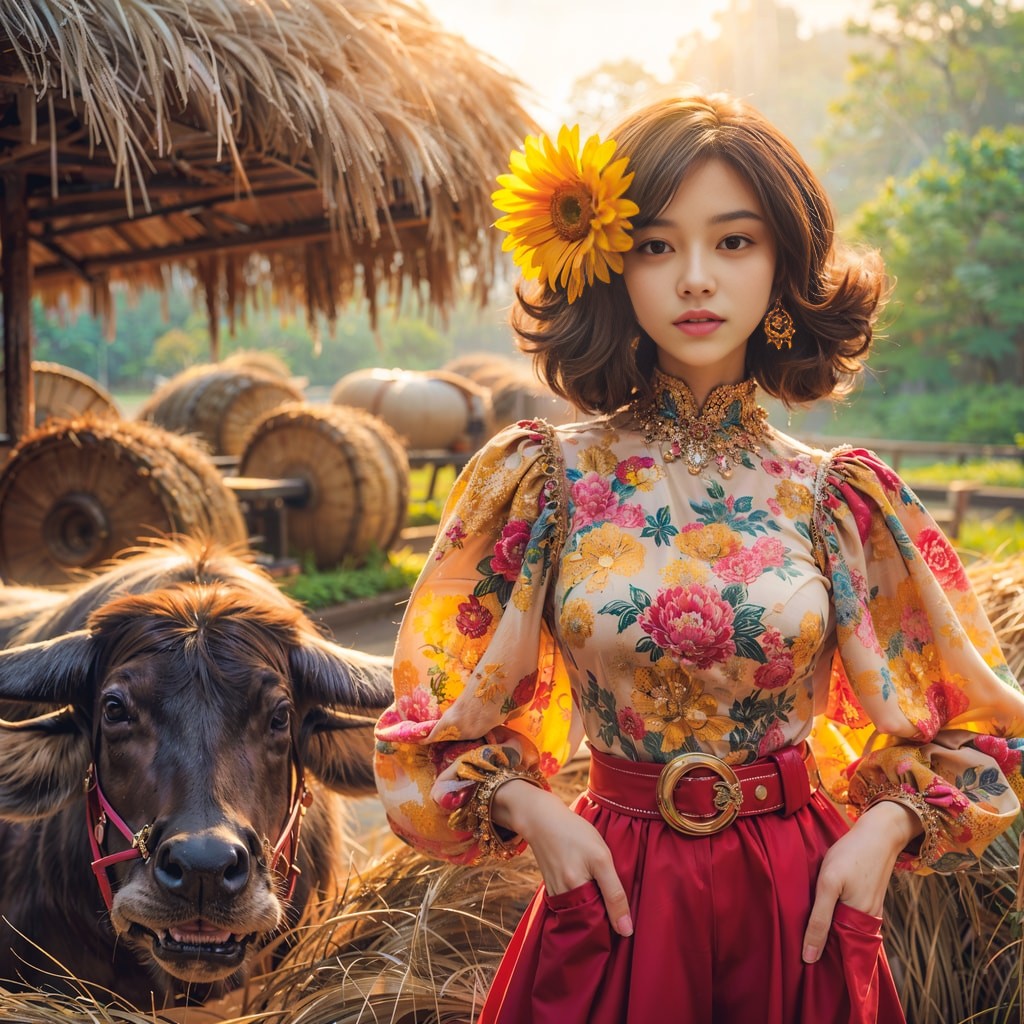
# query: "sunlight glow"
[[548, 45]]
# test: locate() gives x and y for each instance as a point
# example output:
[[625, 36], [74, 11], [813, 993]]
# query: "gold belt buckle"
[[728, 795]]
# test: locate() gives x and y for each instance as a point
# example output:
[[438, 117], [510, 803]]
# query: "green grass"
[[424, 513], [987, 472], [419, 481], [128, 402], [996, 537], [349, 582]]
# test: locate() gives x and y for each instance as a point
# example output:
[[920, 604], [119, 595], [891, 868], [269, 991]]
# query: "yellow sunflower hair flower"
[[564, 212]]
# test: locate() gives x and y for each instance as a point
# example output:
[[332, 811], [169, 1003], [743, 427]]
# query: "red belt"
[[700, 794]]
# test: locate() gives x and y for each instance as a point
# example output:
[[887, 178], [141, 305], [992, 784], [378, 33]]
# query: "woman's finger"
[[615, 903], [820, 921]]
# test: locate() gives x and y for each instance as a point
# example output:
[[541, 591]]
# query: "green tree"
[[756, 51], [157, 334], [72, 338], [413, 344], [61, 336], [926, 68], [951, 235], [175, 350]]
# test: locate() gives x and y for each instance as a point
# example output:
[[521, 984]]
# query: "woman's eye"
[[654, 247], [734, 242], [114, 709]]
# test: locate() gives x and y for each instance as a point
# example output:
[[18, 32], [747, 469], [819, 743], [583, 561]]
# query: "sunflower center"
[[571, 210]]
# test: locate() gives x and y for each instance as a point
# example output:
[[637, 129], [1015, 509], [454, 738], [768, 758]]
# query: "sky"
[[548, 44]]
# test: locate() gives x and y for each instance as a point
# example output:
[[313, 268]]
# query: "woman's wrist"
[[512, 803], [894, 819]]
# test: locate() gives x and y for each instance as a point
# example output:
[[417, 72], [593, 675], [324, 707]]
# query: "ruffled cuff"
[[490, 768], [902, 774]]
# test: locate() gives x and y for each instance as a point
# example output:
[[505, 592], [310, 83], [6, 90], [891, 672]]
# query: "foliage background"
[[915, 122]]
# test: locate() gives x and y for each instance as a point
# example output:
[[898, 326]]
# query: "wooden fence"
[[941, 451]]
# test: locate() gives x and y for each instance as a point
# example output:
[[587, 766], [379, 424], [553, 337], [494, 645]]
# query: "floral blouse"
[[585, 583]]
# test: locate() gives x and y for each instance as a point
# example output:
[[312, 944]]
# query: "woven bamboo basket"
[[220, 405], [75, 492], [433, 409], [61, 392], [356, 474]]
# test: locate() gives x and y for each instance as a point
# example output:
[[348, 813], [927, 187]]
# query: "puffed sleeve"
[[923, 707], [480, 688]]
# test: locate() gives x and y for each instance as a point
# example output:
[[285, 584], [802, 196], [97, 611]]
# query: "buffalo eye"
[[114, 708], [281, 719]]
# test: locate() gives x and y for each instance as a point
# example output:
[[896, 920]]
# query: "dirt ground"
[[372, 631]]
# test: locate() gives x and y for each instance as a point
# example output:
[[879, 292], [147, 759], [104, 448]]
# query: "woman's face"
[[700, 276]]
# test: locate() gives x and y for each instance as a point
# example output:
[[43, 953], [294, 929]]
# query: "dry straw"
[[412, 941], [364, 114]]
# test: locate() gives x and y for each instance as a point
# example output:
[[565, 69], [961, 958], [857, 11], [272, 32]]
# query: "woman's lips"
[[698, 327]]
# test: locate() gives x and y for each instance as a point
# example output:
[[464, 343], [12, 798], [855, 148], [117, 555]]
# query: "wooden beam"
[[23, 153], [290, 235], [196, 202], [68, 261], [17, 290]]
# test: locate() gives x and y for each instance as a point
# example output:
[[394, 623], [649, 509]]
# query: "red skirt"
[[718, 930]]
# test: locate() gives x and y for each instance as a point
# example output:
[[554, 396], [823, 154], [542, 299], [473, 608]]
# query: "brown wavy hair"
[[594, 352]]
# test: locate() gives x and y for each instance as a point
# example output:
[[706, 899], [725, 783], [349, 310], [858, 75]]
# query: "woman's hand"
[[857, 868], [569, 850]]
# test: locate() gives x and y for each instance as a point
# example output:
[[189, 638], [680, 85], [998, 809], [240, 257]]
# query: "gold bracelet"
[[487, 834], [475, 815]]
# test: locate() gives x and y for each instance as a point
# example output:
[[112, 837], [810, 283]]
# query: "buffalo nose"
[[206, 865]]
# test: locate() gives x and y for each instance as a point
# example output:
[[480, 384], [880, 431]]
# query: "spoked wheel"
[[356, 473], [76, 492]]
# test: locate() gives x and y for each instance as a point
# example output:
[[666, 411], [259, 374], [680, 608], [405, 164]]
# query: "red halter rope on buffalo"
[[99, 812]]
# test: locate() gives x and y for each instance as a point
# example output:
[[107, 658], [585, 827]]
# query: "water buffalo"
[[162, 725]]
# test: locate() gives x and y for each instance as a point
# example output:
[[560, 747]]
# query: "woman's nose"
[[695, 277]]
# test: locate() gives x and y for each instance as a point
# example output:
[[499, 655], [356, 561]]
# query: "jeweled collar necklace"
[[720, 435]]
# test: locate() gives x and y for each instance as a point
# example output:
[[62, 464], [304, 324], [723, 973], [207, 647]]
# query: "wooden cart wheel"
[[75, 492], [520, 396], [356, 474], [219, 405], [61, 392]]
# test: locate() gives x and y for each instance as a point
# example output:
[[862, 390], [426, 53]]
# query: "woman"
[[747, 631]]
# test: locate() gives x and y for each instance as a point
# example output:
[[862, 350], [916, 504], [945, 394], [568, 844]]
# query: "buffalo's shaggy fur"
[[197, 690], [28, 614]]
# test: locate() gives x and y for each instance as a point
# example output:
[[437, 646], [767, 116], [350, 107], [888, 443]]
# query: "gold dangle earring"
[[778, 326]]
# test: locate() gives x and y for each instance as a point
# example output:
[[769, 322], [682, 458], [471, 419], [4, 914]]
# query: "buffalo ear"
[[41, 774], [340, 757], [42, 768], [344, 692]]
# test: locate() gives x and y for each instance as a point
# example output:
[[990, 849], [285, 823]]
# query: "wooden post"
[[17, 290]]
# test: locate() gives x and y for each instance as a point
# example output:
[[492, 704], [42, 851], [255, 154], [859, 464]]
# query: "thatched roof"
[[319, 147]]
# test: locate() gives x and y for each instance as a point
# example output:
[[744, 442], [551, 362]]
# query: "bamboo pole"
[[17, 292]]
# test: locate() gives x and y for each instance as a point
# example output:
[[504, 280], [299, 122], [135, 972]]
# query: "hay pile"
[[412, 941], [1000, 586]]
